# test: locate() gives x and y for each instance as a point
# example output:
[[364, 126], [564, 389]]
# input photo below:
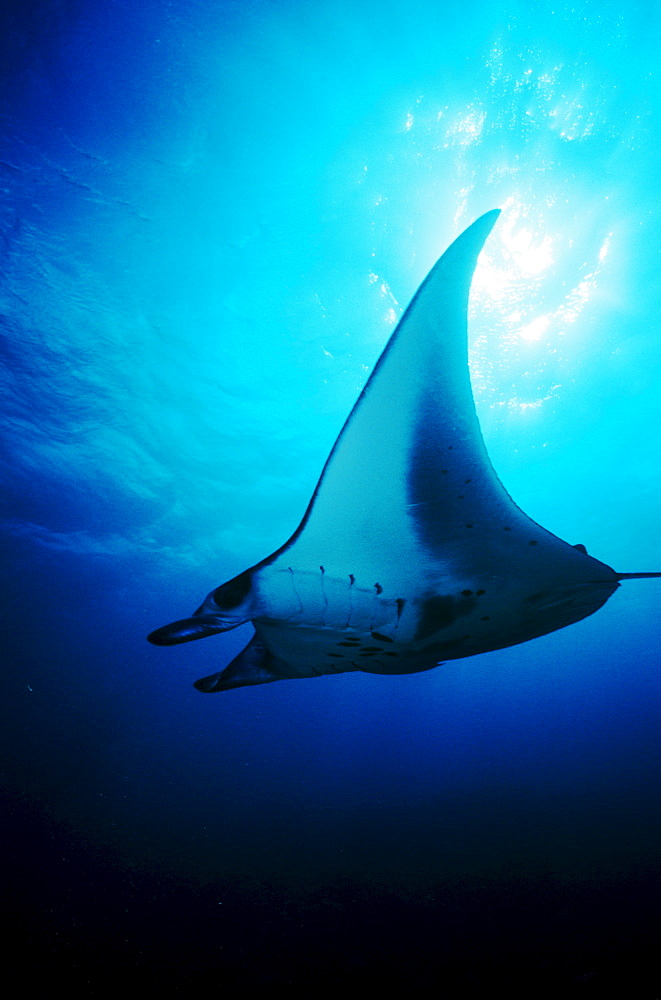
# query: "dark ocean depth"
[[212, 216]]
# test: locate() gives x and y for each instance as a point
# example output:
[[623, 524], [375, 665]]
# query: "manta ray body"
[[410, 551]]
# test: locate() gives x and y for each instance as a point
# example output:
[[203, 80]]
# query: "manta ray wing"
[[411, 550]]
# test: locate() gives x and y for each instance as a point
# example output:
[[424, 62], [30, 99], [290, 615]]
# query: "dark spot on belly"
[[371, 649], [480, 592], [507, 529], [467, 593], [485, 619], [353, 643], [367, 654], [532, 543], [444, 472], [338, 656], [388, 653], [229, 594], [468, 525], [439, 612], [468, 480], [381, 638]]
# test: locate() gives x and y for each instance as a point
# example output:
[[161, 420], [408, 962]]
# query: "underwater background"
[[212, 216]]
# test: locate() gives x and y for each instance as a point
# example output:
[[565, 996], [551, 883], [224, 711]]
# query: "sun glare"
[[521, 288]]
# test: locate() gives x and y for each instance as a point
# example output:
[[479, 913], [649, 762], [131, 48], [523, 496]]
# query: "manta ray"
[[410, 552]]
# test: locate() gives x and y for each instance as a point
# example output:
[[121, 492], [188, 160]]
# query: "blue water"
[[212, 216]]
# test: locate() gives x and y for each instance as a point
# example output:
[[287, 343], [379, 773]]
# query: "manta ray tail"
[[636, 576]]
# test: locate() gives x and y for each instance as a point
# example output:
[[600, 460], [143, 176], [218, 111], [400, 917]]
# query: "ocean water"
[[212, 216]]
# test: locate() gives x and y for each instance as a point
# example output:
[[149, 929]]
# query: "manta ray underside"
[[410, 551]]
